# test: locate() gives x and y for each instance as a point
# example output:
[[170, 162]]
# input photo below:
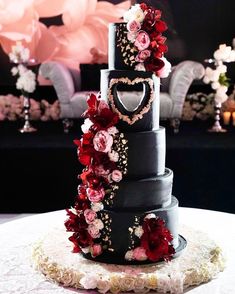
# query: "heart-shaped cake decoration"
[[139, 107]]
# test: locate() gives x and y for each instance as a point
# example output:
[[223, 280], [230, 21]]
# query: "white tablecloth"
[[16, 238]]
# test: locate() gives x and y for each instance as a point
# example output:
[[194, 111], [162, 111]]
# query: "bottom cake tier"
[[125, 229]]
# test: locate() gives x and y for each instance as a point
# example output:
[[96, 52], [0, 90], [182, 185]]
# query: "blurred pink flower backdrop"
[[84, 27]]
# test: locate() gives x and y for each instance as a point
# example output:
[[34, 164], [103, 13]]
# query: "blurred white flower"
[[86, 125], [211, 75], [223, 53], [215, 85], [14, 70], [19, 54], [134, 13], [165, 71], [220, 95], [26, 81]]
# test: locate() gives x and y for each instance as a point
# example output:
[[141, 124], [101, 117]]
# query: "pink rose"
[[116, 175], [90, 215], [133, 26], [95, 195], [142, 55], [93, 231], [142, 40], [103, 141], [139, 253], [96, 250]]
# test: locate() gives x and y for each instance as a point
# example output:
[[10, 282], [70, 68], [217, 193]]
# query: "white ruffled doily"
[[200, 262]]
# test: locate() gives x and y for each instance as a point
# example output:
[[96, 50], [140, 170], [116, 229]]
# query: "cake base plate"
[[201, 260]]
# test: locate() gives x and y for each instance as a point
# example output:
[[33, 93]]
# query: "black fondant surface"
[[146, 154], [116, 60], [145, 194], [150, 120], [120, 235]]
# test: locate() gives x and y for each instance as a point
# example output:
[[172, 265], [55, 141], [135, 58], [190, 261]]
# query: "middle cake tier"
[[147, 193], [146, 153]]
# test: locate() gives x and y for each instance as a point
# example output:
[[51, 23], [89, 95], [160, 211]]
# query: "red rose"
[[156, 240], [154, 65], [160, 26]]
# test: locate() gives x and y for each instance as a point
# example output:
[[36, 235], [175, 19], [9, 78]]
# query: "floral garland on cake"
[[154, 240], [144, 42], [102, 149]]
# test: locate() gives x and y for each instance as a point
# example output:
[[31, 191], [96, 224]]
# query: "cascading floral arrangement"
[[145, 40], [97, 150]]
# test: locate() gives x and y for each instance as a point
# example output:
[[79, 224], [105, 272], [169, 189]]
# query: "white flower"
[[220, 95], [127, 283], [134, 13], [112, 130], [221, 68], [19, 53], [231, 56], [215, 85], [129, 255], [113, 156], [97, 206], [139, 231], [27, 81], [150, 215], [86, 125], [165, 71], [89, 281], [98, 224], [14, 71], [211, 75], [139, 285], [223, 53], [140, 67], [86, 250], [103, 286]]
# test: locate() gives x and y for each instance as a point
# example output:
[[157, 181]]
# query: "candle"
[[226, 117], [233, 115]]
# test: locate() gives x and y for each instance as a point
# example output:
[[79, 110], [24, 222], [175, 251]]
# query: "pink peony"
[[133, 26], [116, 175], [142, 55], [103, 141], [142, 40], [90, 215], [139, 254], [96, 250], [95, 195], [93, 231]]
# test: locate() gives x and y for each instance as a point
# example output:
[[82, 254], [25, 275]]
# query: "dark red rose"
[[154, 65], [84, 238], [143, 6], [160, 26], [156, 240]]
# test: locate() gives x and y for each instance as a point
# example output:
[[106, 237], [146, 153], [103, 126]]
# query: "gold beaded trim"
[[144, 110]]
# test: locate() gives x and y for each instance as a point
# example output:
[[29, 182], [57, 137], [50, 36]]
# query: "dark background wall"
[[196, 28]]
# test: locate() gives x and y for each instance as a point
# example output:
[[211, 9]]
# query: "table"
[[17, 237]]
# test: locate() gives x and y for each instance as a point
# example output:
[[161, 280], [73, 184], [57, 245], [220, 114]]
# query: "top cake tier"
[[120, 54]]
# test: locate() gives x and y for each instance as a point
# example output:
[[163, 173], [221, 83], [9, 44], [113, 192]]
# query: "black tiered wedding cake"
[[125, 212]]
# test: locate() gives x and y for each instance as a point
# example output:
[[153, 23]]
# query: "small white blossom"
[[27, 81], [139, 231], [89, 281], [134, 13], [150, 215], [112, 131], [86, 125], [97, 206], [113, 156], [215, 85], [14, 71], [19, 53], [220, 95], [98, 224], [140, 67], [223, 53], [129, 255]]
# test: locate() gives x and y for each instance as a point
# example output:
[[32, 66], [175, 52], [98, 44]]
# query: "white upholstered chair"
[[67, 84]]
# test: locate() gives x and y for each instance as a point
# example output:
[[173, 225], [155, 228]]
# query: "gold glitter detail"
[[126, 118]]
